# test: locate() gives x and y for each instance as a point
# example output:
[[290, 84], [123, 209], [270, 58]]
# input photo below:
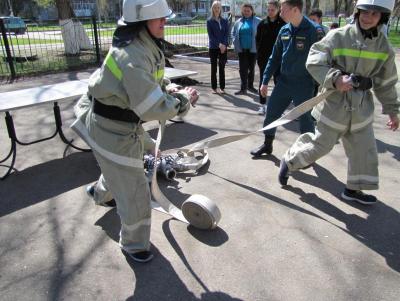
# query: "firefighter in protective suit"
[[352, 60], [127, 90]]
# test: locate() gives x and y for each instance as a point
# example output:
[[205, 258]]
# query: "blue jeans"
[[281, 97]]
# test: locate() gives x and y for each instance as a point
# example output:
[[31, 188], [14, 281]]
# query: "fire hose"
[[198, 210]]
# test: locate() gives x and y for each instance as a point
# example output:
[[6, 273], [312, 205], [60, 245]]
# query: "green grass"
[[185, 30], [168, 31], [394, 38], [51, 64], [25, 41]]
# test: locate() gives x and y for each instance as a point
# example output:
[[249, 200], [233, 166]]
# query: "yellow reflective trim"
[[158, 75], [112, 66], [361, 54]]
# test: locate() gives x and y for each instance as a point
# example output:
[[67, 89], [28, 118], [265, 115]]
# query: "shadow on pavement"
[[269, 197], [157, 280], [44, 181], [110, 224], [177, 135], [242, 103], [384, 147], [379, 231]]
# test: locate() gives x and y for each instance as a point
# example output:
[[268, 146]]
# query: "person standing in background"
[[267, 32], [217, 29], [243, 35], [294, 83], [316, 16]]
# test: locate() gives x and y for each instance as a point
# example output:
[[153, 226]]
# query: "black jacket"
[[267, 32]]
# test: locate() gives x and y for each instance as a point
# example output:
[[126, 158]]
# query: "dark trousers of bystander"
[[261, 68], [247, 63], [218, 61], [283, 94]]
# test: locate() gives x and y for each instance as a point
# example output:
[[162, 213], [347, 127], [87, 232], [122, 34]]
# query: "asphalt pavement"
[[301, 242]]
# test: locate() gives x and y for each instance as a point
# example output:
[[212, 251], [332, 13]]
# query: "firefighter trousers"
[[360, 148]]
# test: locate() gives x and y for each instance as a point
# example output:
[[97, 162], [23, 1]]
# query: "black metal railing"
[[41, 48]]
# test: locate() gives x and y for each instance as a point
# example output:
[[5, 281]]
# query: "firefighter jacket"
[[345, 51], [290, 52], [131, 78]]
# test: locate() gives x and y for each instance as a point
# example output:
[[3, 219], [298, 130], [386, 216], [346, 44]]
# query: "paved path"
[[298, 243]]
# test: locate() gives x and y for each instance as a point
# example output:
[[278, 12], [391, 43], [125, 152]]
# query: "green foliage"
[[394, 38], [44, 3]]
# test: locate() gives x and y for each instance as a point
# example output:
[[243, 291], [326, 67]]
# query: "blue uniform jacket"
[[291, 50], [217, 34]]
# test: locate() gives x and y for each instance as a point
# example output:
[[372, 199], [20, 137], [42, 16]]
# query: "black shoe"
[[358, 196], [240, 92], [262, 149], [283, 173], [142, 256], [90, 192], [253, 90]]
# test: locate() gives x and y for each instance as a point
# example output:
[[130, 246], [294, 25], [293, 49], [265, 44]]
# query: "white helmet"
[[142, 10], [384, 6]]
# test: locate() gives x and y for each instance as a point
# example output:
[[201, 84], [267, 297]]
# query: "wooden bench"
[[66, 91]]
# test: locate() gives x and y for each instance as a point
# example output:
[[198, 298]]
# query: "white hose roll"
[[201, 212]]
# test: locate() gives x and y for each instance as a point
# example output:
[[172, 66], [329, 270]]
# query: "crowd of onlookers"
[[253, 40]]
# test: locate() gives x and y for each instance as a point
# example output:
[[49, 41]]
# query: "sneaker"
[[90, 193], [241, 92], [141, 256], [214, 91], [261, 110], [283, 173], [253, 90], [358, 196], [221, 91]]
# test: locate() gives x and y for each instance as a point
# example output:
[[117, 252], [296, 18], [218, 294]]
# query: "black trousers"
[[217, 59], [247, 62], [261, 67]]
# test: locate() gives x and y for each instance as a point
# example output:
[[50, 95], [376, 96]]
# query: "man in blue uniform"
[[295, 83]]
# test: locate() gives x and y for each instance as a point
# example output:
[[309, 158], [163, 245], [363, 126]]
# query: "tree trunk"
[[336, 7], [315, 4], [349, 7], [308, 7], [74, 35]]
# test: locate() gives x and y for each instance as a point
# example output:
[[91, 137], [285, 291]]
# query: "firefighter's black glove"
[[361, 82]]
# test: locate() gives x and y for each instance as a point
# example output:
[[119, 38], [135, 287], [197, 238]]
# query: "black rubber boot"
[[265, 148]]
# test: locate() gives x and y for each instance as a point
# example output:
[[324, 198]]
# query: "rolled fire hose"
[[199, 210]]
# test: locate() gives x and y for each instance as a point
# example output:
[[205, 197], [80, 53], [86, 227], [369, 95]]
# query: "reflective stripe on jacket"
[[345, 50], [130, 78]]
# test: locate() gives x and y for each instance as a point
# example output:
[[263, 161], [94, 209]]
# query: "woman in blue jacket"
[[217, 28], [243, 34]]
